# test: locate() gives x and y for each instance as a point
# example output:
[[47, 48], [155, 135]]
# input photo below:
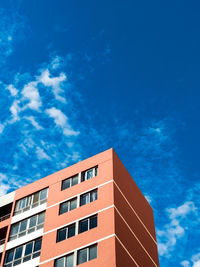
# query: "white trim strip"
[[71, 251], [135, 236], [126, 250], [135, 213], [79, 219], [88, 190]]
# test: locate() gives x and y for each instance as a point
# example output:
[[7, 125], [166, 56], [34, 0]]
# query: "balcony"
[[3, 232], [5, 212]]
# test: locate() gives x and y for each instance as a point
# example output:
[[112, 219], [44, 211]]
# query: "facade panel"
[[89, 214]]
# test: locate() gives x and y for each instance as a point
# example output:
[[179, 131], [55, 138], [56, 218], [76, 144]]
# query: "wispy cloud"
[[174, 230], [61, 120]]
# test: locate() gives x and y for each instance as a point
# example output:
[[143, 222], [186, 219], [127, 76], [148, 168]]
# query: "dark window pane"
[[29, 248], [93, 222], [71, 231], [96, 171], [43, 194], [23, 225], [69, 260], [84, 199], [89, 174], [82, 255], [61, 235], [65, 184], [59, 263], [32, 221], [14, 229], [63, 207], [93, 252], [82, 176], [75, 180], [93, 196], [9, 256], [73, 204], [18, 252], [37, 245], [41, 218], [36, 197], [83, 226]]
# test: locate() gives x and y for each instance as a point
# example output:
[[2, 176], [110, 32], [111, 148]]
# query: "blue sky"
[[79, 77]]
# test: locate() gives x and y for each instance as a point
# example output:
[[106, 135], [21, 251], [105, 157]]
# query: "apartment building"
[[90, 214]]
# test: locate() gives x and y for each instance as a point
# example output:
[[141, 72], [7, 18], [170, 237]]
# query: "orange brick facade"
[[124, 234]]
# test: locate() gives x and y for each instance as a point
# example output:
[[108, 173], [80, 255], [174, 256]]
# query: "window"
[[86, 254], [66, 232], [67, 261], [31, 201], [82, 255], [70, 182], [87, 224], [23, 253], [88, 174], [68, 205], [27, 226], [88, 197]]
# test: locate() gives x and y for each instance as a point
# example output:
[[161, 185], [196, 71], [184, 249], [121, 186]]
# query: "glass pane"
[[28, 200], [83, 226], [71, 231], [96, 171], [89, 174], [93, 222], [61, 235], [63, 208], [22, 203], [18, 253], [65, 184], [14, 229], [75, 180], [73, 204], [84, 199], [70, 260], [93, 252], [9, 256], [32, 221], [82, 176], [59, 263], [36, 197], [29, 248], [93, 196], [23, 225], [43, 194], [41, 218], [82, 255], [37, 245]]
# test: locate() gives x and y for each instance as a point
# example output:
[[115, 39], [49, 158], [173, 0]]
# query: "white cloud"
[[174, 230], [15, 110], [41, 154], [30, 93], [194, 262], [56, 62], [34, 122], [61, 120], [54, 82], [13, 91], [1, 128], [4, 189]]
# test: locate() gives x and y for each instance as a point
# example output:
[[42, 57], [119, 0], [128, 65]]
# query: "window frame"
[[68, 202], [84, 176], [89, 196], [66, 228], [70, 181], [28, 229], [28, 202], [23, 256]]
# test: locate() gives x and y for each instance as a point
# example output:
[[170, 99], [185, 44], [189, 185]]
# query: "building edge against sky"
[[91, 213]]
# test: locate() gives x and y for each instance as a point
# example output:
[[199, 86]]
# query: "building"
[[91, 213]]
